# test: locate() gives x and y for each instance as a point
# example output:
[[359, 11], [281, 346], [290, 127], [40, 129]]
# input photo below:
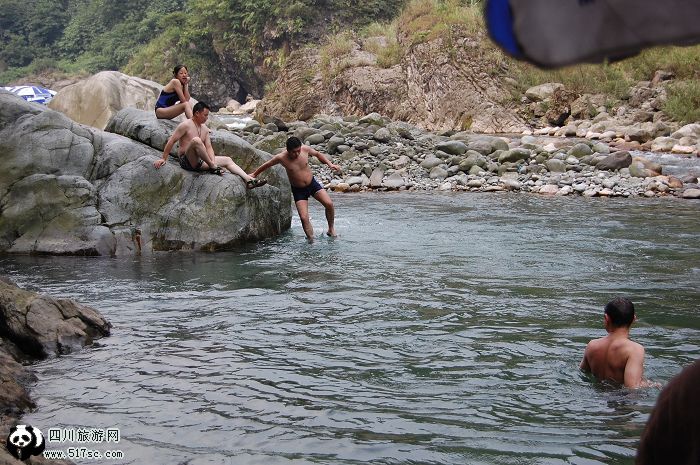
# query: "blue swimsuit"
[[167, 99]]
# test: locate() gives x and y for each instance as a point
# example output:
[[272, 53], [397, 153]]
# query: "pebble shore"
[[378, 154]]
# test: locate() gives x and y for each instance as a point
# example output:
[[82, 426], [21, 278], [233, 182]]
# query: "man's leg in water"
[[303, 210], [325, 199]]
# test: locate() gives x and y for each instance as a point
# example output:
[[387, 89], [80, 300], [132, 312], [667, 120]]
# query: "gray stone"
[[375, 180], [402, 162], [555, 166], [95, 100], [452, 147], [542, 91], [315, 139], [333, 144], [272, 143], [691, 194], [487, 145], [615, 161], [640, 168], [42, 326], [382, 135], [373, 119], [689, 130], [431, 162], [304, 132], [376, 151], [394, 181], [637, 134], [580, 150], [601, 147], [663, 144], [476, 170], [514, 155], [549, 189], [438, 173]]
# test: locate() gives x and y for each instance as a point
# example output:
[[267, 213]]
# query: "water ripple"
[[438, 329]]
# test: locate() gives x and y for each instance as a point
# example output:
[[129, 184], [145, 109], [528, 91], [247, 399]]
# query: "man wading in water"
[[296, 162], [615, 357]]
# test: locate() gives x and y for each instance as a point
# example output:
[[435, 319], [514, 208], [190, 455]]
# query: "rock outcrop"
[[438, 86], [95, 100], [34, 327], [66, 188]]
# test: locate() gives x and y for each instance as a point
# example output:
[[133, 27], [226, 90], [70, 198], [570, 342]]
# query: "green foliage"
[[381, 40], [425, 20], [90, 35], [683, 103], [156, 60], [613, 79], [333, 53]]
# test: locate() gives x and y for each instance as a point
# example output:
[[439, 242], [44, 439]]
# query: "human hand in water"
[[158, 163]]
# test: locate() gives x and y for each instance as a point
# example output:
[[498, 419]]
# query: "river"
[[437, 329]]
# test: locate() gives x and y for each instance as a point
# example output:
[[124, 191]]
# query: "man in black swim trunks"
[[196, 152], [296, 162]]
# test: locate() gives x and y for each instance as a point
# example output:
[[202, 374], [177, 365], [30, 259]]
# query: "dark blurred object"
[[553, 33], [672, 433]]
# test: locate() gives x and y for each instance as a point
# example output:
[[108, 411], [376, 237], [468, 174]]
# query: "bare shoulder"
[[595, 343], [636, 348], [309, 150], [184, 126]]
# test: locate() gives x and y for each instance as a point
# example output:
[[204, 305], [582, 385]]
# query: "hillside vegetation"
[[248, 42], [425, 20]]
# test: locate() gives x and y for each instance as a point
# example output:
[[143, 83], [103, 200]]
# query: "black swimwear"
[[185, 164], [167, 99], [303, 193]]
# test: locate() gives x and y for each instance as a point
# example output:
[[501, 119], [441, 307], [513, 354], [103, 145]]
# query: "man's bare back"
[[615, 358]]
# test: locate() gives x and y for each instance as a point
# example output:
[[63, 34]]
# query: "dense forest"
[[148, 37]]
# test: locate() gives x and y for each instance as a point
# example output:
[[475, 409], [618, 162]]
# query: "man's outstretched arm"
[[324, 159], [271, 162]]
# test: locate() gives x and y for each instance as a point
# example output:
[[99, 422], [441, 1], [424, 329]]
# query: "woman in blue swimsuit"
[[174, 99]]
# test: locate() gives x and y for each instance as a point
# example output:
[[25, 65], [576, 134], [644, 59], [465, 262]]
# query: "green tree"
[[46, 23]]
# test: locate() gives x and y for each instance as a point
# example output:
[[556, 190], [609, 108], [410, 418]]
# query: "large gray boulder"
[[93, 101], [34, 326], [615, 161], [41, 326], [66, 188]]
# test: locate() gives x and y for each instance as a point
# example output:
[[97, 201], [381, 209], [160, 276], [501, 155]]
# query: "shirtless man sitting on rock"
[[296, 162], [195, 150], [615, 357]]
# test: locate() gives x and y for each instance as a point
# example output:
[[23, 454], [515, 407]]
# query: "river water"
[[437, 329]]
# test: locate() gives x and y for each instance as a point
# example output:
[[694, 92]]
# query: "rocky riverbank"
[[34, 327], [379, 154], [70, 189]]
